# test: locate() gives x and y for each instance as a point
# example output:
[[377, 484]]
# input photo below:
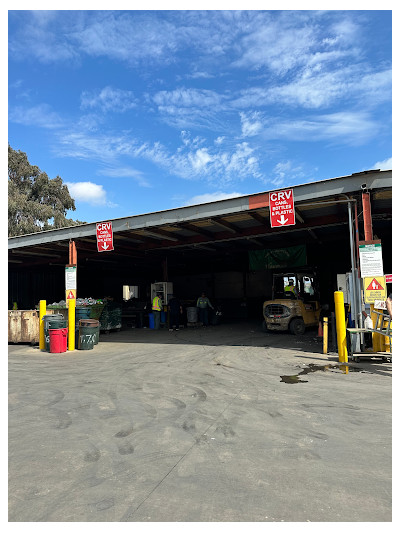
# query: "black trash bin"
[[88, 329]]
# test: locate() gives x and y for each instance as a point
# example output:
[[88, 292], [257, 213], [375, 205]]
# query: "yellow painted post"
[[42, 312], [340, 326], [71, 325], [325, 335]]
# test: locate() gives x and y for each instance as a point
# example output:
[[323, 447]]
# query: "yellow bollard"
[[42, 312], [325, 335], [340, 326], [71, 325]]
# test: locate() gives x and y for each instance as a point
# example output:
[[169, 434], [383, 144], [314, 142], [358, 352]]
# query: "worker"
[[389, 305], [175, 310], [157, 308], [203, 303], [291, 288]]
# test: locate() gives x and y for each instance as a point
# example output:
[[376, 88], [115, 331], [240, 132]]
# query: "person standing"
[[157, 308], [175, 310], [291, 288], [389, 305], [203, 303]]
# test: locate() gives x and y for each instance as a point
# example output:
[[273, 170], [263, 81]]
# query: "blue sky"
[[140, 111]]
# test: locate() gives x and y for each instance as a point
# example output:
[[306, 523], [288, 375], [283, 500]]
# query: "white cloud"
[[183, 97], [278, 46], [285, 171], [126, 172], [313, 88], [88, 192], [212, 197], [352, 128], [386, 164], [216, 164], [251, 123], [109, 99], [40, 115], [200, 159]]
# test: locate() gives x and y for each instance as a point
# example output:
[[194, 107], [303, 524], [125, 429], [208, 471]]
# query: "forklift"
[[295, 303]]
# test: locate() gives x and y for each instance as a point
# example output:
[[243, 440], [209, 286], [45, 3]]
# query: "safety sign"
[[281, 208], [104, 235], [371, 260], [70, 278], [374, 289]]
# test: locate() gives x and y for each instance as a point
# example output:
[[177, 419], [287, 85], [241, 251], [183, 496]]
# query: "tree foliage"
[[35, 202]]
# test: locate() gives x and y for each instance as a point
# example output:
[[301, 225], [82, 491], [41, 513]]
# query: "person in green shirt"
[[203, 303]]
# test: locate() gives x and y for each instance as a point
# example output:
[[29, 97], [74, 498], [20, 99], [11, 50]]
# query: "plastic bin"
[[91, 322], [192, 314], [58, 340], [87, 334], [56, 321], [151, 321], [81, 313]]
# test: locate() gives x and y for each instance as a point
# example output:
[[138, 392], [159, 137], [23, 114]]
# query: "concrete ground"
[[198, 426]]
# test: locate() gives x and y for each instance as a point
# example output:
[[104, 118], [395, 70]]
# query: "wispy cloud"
[[351, 128], [286, 171], [212, 197], [251, 123], [280, 48], [126, 172], [108, 99], [41, 115], [189, 107]]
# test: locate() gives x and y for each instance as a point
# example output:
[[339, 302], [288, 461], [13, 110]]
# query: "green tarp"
[[292, 256]]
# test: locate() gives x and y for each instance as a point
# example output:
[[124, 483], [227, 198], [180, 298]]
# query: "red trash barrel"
[[58, 340]]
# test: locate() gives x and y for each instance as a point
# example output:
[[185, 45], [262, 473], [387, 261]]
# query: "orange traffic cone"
[[320, 332]]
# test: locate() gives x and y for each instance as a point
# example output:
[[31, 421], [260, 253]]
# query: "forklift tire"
[[297, 326]]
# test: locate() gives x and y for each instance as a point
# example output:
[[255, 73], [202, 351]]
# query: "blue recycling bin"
[[151, 321]]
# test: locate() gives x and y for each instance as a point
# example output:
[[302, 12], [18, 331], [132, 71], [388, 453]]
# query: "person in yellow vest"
[[157, 308], [203, 303], [291, 288]]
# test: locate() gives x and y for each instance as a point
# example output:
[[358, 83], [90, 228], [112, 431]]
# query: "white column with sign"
[[70, 283]]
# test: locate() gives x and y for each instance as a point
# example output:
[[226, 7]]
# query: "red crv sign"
[[104, 236], [281, 208]]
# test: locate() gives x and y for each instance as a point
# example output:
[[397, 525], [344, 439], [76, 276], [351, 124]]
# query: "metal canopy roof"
[[239, 223]]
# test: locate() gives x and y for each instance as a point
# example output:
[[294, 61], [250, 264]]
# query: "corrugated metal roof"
[[241, 221]]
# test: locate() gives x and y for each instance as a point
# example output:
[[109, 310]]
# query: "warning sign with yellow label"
[[70, 295], [374, 289]]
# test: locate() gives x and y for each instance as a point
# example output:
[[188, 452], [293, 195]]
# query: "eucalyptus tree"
[[35, 202]]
